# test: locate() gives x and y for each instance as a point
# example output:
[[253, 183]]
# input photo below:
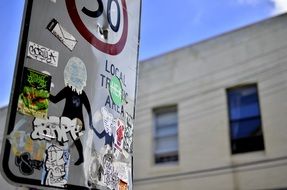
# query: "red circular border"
[[112, 49]]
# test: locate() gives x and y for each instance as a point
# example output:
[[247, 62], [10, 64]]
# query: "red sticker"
[[111, 49]]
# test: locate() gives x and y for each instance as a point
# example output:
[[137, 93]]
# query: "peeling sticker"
[[56, 166], [33, 99], [75, 74], [95, 170], [43, 54], [59, 32], [56, 128]]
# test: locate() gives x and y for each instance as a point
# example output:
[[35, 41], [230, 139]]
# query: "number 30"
[[100, 10]]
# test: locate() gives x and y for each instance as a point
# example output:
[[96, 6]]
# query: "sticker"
[[120, 128], [75, 74], [56, 128], [123, 185], [111, 178], [43, 54], [75, 77], [56, 167], [123, 171], [128, 136], [95, 171], [116, 90], [26, 164], [109, 125], [34, 96], [59, 32], [21, 142]]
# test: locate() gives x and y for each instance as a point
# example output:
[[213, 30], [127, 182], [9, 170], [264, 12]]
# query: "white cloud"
[[280, 6]]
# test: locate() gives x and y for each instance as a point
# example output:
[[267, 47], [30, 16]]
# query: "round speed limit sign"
[[96, 29]]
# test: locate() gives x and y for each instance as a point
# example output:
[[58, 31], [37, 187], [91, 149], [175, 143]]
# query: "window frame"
[[172, 154], [246, 144]]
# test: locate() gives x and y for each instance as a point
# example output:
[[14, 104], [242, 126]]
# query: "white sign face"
[[77, 109]]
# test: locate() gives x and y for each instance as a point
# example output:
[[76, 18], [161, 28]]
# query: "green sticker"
[[116, 90]]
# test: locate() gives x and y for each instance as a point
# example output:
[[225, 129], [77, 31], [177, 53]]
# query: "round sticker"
[[112, 49], [116, 90]]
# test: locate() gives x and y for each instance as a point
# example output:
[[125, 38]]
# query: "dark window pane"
[[244, 111], [166, 158], [246, 128], [245, 119], [243, 103], [247, 144]]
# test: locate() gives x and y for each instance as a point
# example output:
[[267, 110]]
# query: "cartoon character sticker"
[[109, 125], [56, 166], [75, 78]]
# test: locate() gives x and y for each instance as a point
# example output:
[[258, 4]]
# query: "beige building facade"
[[213, 115]]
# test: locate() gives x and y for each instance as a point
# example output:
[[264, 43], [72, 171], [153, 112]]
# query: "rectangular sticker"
[[43, 54], [59, 32], [56, 166], [34, 97]]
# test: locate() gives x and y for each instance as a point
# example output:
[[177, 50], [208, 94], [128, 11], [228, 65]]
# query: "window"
[[245, 119], [165, 135]]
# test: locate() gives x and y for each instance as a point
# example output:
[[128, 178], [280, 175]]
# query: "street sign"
[[71, 115]]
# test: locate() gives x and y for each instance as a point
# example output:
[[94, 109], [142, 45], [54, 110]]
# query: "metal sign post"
[[71, 116]]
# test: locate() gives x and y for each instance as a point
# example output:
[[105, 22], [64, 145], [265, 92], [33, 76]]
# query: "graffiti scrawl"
[[56, 128], [26, 164], [43, 54]]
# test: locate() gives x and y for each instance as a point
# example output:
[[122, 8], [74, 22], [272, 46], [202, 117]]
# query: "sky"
[[165, 25]]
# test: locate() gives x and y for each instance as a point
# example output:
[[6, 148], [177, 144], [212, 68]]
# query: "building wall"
[[195, 78]]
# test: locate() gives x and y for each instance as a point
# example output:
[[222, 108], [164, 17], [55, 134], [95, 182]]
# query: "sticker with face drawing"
[[56, 167], [109, 124], [108, 120]]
